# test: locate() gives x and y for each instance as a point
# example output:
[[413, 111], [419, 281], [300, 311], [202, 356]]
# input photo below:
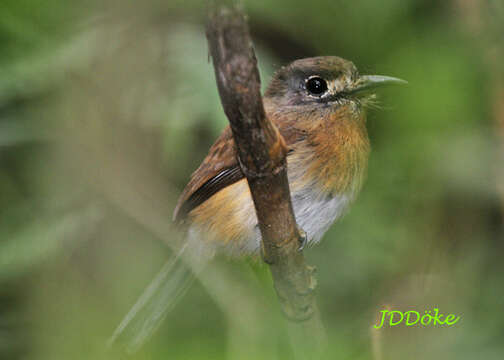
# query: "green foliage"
[[105, 109]]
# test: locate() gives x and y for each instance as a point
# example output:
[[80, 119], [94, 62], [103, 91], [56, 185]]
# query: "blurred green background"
[[107, 107]]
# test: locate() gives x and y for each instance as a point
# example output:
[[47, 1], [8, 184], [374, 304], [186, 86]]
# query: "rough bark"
[[262, 157]]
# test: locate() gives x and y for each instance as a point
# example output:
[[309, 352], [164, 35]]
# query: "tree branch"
[[262, 156]]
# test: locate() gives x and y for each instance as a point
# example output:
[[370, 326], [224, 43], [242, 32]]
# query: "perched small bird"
[[319, 106]]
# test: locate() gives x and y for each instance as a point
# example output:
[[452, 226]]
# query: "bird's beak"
[[370, 82]]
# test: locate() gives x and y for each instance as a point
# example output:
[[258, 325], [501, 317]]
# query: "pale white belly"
[[315, 212]]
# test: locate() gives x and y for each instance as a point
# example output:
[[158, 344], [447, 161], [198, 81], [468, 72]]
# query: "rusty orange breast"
[[335, 153]]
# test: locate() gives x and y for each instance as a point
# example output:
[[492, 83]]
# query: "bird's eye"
[[316, 85]]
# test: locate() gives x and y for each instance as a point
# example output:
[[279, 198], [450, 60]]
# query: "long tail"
[[163, 293]]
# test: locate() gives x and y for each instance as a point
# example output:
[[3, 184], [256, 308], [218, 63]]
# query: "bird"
[[319, 107]]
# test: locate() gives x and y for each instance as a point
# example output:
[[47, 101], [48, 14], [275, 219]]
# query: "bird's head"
[[325, 81]]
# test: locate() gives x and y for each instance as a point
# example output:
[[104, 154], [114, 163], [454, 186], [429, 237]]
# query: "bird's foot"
[[303, 239]]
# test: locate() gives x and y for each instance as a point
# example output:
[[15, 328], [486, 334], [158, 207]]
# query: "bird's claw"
[[303, 239]]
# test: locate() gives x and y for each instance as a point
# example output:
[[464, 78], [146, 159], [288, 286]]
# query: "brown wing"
[[219, 169], [205, 181]]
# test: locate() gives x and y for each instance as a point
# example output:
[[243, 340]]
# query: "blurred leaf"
[[40, 240], [15, 132]]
